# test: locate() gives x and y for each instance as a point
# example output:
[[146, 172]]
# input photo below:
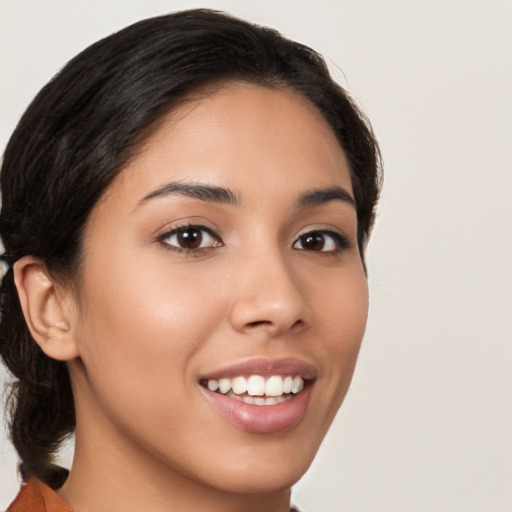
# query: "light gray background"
[[427, 425]]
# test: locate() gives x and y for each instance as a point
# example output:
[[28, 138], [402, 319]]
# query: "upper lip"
[[266, 368]]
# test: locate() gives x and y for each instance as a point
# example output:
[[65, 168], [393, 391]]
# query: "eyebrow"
[[318, 197], [221, 195], [202, 192]]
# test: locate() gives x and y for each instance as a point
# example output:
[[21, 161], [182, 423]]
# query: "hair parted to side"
[[82, 129]]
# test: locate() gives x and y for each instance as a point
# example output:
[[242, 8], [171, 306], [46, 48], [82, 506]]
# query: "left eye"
[[190, 238], [321, 241]]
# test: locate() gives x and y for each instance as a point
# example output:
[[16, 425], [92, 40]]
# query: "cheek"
[[140, 329], [140, 333], [343, 311]]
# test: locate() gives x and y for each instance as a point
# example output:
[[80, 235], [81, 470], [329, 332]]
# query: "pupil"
[[190, 239], [313, 242]]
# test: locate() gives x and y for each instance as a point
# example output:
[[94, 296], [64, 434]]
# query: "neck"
[[118, 494]]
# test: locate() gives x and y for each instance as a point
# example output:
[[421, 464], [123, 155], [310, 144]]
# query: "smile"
[[256, 389], [282, 386]]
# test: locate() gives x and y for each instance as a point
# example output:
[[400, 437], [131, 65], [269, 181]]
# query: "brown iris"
[[190, 238], [313, 241]]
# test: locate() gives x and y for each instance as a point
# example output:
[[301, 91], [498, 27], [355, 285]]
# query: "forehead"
[[245, 137]]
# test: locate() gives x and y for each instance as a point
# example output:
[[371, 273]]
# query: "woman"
[[185, 211]]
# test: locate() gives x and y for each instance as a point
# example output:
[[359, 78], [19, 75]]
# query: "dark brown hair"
[[79, 133]]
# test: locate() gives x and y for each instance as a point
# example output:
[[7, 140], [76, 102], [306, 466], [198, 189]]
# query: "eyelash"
[[339, 241]]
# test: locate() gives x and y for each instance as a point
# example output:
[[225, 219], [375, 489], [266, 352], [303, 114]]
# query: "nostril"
[[267, 323], [258, 323], [298, 323]]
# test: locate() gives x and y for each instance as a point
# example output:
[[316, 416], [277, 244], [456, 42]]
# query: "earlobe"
[[46, 307]]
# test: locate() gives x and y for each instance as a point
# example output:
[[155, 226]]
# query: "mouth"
[[257, 389], [260, 395]]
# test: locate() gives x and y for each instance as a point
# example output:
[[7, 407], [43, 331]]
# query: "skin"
[[149, 320]]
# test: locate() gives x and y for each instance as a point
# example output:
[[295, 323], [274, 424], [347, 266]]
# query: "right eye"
[[190, 238]]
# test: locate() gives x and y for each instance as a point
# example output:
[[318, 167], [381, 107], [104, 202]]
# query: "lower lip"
[[263, 419]]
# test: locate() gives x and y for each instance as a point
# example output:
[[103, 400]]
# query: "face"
[[223, 299]]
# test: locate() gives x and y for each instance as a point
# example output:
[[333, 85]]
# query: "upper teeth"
[[256, 385]]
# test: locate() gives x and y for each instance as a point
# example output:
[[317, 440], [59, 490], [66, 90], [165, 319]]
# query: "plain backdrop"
[[427, 424]]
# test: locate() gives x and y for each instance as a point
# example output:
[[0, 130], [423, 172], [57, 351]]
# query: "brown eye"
[[190, 238], [312, 241], [321, 241]]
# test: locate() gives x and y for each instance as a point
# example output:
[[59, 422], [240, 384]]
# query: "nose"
[[268, 298]]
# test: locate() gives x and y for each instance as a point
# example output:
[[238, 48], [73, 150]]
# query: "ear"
[[47, 308]]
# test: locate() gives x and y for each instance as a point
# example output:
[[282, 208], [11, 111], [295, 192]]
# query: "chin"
[[264, 468], [264, 480]]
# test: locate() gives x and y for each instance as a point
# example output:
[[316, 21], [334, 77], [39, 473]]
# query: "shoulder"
[[35, 496]]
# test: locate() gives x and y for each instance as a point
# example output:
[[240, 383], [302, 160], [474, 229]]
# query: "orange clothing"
[[35, 496]]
